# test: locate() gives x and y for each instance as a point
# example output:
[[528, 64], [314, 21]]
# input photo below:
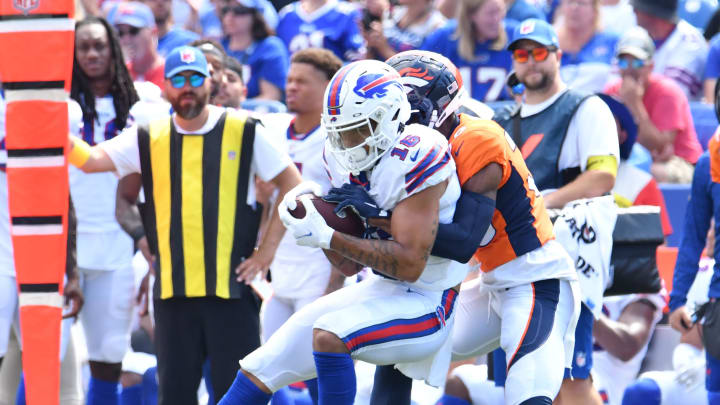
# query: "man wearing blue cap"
[[570, 144], [135, 26], [201, 220]]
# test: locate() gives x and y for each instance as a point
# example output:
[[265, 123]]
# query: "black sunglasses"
[[132, 31]]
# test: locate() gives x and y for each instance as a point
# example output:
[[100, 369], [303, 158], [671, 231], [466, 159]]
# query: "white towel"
[[585, 228]]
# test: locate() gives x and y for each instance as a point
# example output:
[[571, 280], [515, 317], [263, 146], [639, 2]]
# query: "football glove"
[[310, 230], [356, 198]]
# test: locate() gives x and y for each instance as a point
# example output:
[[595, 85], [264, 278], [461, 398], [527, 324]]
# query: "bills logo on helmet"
[[25, 6], [375, 85]]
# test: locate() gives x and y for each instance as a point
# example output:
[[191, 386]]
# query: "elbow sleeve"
[[461, 238]]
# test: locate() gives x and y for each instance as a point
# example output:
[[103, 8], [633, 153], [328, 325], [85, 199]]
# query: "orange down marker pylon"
[[36, 44]]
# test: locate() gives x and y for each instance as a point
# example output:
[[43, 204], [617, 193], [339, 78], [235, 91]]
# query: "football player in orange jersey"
[[526, 300]]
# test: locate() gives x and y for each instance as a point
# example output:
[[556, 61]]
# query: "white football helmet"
[[364, 107]]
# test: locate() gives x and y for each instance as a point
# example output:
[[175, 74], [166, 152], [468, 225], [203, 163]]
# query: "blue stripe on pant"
[[546, 294]]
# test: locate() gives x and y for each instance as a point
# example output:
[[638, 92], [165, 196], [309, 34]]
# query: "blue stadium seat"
[[705, 121], [697, 12], [264, 106], [676, 198]]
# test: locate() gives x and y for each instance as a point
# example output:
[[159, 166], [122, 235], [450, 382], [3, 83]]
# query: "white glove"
[[310, 230], [303, 188]]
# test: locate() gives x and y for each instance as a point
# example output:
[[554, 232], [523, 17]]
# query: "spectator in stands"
[[403, 27], [517, 10], [169, 36], [659, 107], [135, 26], [216, 57], [476, 43], [633, 186], [712, 69], [521, 10], [328, 24], [682, 50], [249, 40], [713, 26], [232, 91], [617, 16], [207, 18], [587, 51]]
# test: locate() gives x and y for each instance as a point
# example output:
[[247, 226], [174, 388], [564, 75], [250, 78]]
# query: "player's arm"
[[263, 255], [697, 222], [127, 213], [89, 159], [473, 214], [597, 180], [342, 264], [625, 337], [413, 226], [72, 291]]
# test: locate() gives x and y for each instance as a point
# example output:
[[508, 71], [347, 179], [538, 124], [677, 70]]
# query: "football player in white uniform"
[[401, 316], [301, 274], [105, 93]]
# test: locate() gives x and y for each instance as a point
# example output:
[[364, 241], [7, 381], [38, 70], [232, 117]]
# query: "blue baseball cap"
[[132, 13], [537, 30], [185, 58]]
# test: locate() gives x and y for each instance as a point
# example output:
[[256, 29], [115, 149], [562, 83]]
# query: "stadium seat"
[[665, 258], [659, 354], [676, 198], [697, 12], [704, 120]]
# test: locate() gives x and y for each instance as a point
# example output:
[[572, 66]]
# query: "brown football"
[[347, 222]]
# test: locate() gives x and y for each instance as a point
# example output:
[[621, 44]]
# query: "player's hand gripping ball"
[[346, 221]]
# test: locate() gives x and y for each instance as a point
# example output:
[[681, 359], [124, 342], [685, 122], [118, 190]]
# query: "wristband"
[[80, 153]]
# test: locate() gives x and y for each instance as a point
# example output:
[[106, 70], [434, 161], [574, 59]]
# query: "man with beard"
[[201, 221], [570, 144]]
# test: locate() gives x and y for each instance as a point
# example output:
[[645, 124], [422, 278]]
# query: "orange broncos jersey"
[[520, 223]]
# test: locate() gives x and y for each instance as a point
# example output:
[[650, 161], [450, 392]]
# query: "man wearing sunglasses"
[[570, 144], [135, 26], [659, 107], [201, 220]]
